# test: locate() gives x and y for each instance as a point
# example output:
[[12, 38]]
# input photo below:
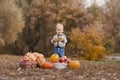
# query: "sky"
[[99, 2]]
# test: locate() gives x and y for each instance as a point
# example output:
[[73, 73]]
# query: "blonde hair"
[[59, 25]]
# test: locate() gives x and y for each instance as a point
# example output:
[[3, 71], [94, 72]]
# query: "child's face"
[[59, 30]]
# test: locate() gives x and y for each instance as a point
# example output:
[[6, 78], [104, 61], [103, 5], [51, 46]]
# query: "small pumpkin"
[[54, 58], [48, 65], [74, 64]]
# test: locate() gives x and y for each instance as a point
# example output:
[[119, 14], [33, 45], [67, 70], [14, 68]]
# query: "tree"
[[11, 22], [42, 19], [24, 5], [112, 15]]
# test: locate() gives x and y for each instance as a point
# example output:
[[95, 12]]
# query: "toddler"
[[59, 40]]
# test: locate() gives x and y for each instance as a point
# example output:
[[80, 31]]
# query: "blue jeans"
[[60, 51]]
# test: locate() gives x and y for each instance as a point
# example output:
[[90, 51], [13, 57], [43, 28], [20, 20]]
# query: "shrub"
[[87, 43]]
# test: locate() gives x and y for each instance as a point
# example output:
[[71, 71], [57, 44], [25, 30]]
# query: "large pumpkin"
[[74, 64], [54, 58], [40, 61], [48, 65]]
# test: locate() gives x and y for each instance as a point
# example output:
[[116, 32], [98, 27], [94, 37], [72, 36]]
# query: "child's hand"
[[55, 40]]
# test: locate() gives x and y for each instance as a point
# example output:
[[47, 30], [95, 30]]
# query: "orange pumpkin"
[[40, 61], [74, 64], [48, 65], [54, 58]]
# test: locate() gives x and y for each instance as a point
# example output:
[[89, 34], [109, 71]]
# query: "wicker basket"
[[26, 64]]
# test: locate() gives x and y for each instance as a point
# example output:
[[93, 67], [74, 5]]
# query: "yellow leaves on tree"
[[11, 22], [88, 43]]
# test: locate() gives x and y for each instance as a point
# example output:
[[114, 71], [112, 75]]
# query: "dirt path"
[[115, 58]]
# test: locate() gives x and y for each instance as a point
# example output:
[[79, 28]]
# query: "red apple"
[[61, 60]]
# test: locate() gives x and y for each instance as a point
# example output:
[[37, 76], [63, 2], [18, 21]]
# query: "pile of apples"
[[64, 59]]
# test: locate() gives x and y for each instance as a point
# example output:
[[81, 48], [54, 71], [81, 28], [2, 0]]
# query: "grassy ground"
[[90, 70]]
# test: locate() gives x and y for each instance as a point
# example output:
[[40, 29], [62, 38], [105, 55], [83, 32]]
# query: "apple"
[[61, 60]]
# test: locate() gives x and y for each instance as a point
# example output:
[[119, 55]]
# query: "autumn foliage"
[[11, 22], [87, 43]]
